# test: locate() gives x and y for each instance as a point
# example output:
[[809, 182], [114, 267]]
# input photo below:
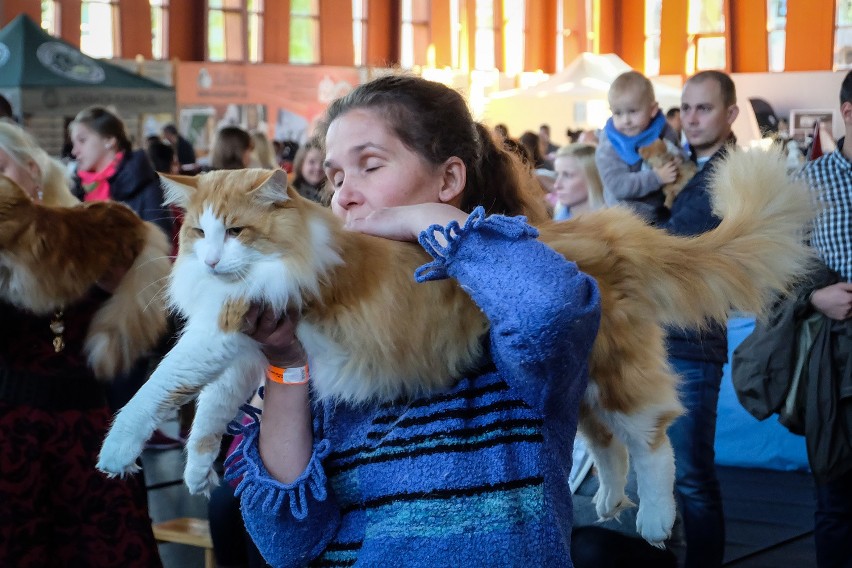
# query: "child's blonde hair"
[[585, 156], [633, 81]]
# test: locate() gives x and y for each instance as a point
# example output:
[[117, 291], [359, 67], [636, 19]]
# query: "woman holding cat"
[[474, 474], [56, 509]]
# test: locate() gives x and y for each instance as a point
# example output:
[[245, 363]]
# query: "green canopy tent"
[[44, 76]]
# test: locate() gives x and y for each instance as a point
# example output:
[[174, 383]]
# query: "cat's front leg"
[[196, 360], [611, 461], [655, 477], [217, 405]]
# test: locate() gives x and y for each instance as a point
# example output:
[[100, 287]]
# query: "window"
[[99, 28], [776, 33], [159, 29], [414, 34], [456, 34], [304, 31], [843, 35], [514, 35], [707, 36], [484, 35], [50, 17], [653, 19], [359, 31], [234, 30]]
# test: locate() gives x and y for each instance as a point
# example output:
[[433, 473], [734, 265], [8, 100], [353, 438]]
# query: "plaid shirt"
[[830, 178]]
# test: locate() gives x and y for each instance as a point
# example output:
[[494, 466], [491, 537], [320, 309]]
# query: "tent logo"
[[4, 54], [69, 63]]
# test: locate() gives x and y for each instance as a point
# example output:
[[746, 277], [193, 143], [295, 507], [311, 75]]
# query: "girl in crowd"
[[309, 177], [476, 474], [108, 167], [56, 509], [578, 186]]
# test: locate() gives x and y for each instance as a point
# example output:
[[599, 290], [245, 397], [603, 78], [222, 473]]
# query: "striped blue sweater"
[[474, 476]]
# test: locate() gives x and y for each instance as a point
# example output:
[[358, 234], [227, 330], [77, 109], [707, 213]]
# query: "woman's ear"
[[453, 179]]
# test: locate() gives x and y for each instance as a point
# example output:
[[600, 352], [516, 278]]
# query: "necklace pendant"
[[58, 344]]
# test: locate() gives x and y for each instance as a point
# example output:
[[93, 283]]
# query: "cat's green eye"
[[234, 231]]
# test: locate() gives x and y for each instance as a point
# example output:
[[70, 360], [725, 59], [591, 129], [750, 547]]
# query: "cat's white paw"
[[609, 503], [655, 519], [118, 457], [200, 479]]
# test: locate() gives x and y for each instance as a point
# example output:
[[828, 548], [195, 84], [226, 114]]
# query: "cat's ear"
[[178, 189], [273, 190]]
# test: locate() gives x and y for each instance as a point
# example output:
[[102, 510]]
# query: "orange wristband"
[[297, 376]]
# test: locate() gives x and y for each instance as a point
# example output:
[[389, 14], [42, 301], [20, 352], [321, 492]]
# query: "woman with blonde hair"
[[578, 185]]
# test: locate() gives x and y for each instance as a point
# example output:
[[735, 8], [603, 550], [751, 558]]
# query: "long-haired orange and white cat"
[[52, 253], [248, 238]]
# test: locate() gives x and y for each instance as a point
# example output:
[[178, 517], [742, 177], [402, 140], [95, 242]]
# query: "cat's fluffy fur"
[[247, 237], [50, 257], [656, 154]]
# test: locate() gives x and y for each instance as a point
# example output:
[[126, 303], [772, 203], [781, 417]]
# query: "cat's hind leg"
[[611, 461], [197, 359], [217, 405], [653, 460]]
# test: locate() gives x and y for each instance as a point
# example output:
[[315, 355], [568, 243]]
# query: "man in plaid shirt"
[[830, 178]]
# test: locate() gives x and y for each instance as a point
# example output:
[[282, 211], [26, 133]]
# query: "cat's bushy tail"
[[757, 252]]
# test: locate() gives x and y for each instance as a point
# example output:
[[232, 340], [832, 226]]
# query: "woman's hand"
[[406, 222], [276, 334]]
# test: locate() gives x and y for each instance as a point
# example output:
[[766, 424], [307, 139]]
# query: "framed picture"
[[802, 122]]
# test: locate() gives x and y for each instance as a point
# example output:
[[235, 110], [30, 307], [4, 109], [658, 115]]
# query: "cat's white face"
[[220, 250]]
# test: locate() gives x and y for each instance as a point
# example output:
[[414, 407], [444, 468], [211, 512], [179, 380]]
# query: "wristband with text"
[[294, 376]]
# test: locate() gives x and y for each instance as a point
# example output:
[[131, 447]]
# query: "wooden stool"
[[188, 530]]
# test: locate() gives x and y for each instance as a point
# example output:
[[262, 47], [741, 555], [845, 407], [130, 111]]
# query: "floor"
[[768, 514]]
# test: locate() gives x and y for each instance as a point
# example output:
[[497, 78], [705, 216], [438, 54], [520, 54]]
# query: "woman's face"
[[369, 168], [570, 185], [92, 151], [25, 176], [312, 171]]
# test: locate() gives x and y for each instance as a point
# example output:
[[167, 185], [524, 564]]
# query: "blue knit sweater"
[[473, 476]]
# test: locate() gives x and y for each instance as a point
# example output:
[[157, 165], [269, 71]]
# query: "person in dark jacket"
[[830, 178], [183, 147], [708, 108]]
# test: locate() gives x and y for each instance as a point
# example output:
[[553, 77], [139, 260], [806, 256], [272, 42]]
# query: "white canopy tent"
[[575, 98]]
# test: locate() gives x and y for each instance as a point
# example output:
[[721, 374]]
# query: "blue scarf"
[[626, 146]]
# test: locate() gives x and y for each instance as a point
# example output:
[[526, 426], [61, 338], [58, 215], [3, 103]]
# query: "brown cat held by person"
[[51, 256], [656, 154], [247, 237]]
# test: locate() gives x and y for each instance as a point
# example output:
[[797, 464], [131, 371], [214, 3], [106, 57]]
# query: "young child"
[[636, 121]]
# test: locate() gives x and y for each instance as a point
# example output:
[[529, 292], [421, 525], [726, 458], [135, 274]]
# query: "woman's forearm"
[[286, 435]]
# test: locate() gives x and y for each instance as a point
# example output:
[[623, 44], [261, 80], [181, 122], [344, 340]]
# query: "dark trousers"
[[833, 523]]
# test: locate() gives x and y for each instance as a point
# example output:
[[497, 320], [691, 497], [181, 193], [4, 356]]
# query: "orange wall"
[[187, 30], [276, 24], [631, 29], [135, 28], [9, 10], [440, 29], [673, 41], [749, 47], [336, 43], [810, 35], [574, 23], [540, 52], [383, 33]]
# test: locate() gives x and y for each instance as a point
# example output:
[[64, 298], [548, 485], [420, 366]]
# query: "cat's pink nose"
[[211, 261]]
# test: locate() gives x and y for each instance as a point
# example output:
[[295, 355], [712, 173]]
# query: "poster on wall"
[[283, 101], [802, 122]]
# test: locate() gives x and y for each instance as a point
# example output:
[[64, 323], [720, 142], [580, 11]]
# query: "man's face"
[[705, 118]]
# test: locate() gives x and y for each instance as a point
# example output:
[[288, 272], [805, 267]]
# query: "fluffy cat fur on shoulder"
[[247, 237], [50, 256]]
